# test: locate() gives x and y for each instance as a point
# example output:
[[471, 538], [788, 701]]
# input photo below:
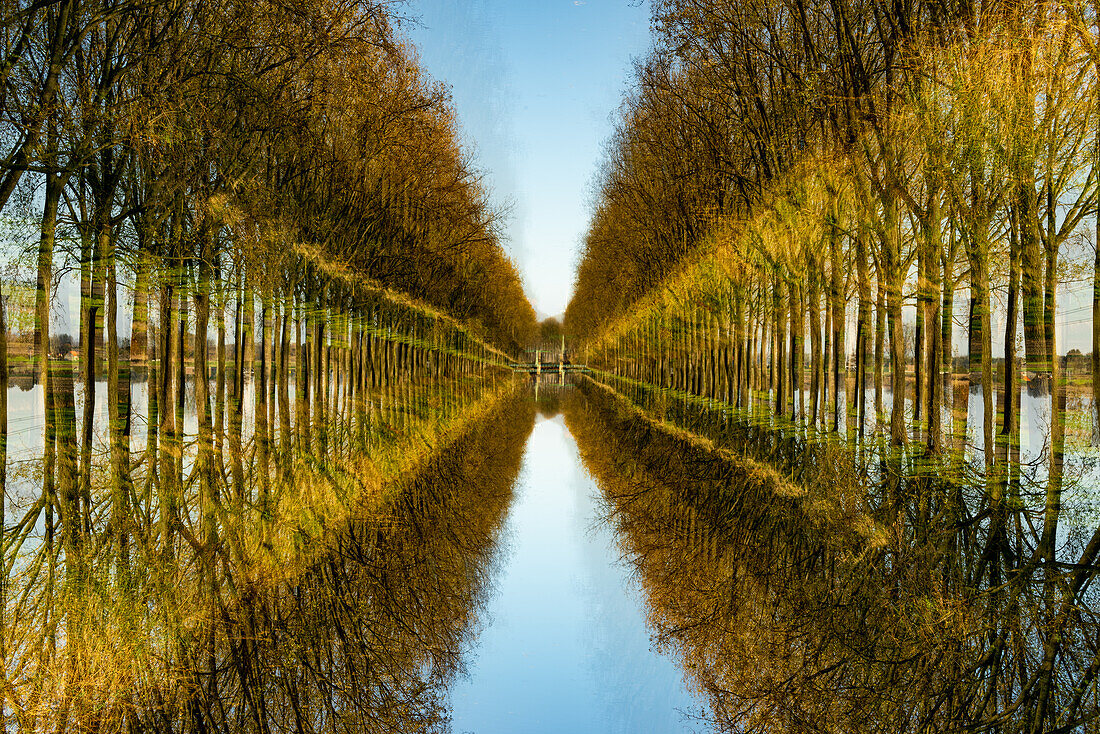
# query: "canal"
[[566, 645], [563, 558]]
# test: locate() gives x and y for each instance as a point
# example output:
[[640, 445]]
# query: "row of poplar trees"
[[288, 270], [857, 158], [864, 175]]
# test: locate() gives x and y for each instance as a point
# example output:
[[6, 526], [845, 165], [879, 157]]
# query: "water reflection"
[[798, 609], [569, 647], [770, 583], [373, 635], [366, 636]]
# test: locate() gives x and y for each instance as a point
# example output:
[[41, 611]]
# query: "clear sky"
[[535, 84]]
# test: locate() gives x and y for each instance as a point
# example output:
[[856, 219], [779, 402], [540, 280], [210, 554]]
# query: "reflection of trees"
[[333, 625], [797, 609], [548, 396], [368, 637]]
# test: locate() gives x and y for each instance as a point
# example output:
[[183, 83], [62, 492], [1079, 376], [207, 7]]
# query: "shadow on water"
[[547, 392]]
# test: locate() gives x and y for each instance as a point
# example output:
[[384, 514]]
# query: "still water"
[[561, 642], [492, 593], [565, 646]]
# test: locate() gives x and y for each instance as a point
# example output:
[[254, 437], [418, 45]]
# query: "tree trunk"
[[179, 434], [1011, 380], [840, 357], [934, 329], [947, 325], [988, 384], [236, 415], [260, 414], [815, 347], [826, 352], [204, 461], [1035, 349], [166, 460], [301, 379], [285, 449], [779, 359], [895, 277], [1096, 322], [863, 323], [118, 413], [52, 196], [919, 334], [880, 339], [798, 410], [1096, 290], [220, 383], [318, 353], [3, 497]]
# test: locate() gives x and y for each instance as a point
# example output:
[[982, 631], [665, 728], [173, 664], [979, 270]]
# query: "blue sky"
[[535, 85]]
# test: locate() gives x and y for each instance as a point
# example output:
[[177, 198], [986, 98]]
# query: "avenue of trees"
[[291, 290], [807, 206], [783, 169]]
